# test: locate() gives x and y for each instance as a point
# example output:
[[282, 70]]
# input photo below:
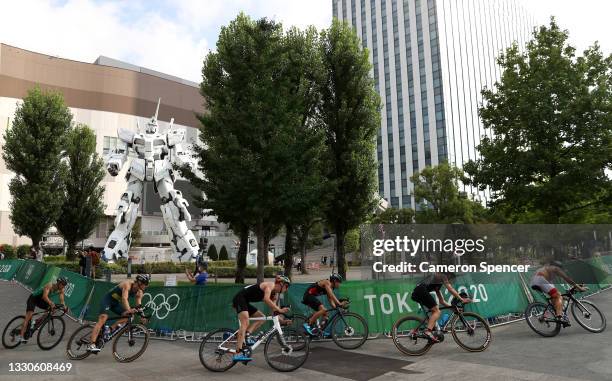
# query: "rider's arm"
[[269, 300], [45, 295], [125, 295], [441, 298], [565, 277], [138, 297], [330, 295], [61, 298], [454, 292]]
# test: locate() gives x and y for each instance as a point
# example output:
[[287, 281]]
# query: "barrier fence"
[[201, 309]]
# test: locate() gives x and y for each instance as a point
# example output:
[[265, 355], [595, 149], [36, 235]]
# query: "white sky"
[[174, 36]]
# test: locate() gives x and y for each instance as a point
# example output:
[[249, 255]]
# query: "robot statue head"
[[152, 125]]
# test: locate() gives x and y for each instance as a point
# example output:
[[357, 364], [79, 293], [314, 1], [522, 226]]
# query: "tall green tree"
[[436, 190], [33, 151], [212, 253], [83, 195], [551, 122], [350, 113], [401, 216]]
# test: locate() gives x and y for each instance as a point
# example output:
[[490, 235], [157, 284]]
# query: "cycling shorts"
[[111, 304], [538, 282], [36, 301], [311, 301], [422, 296], [241, 304]]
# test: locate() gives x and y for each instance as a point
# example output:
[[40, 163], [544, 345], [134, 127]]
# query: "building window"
[[110, 143]]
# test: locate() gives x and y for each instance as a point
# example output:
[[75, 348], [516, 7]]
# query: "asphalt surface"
[[516, 353]]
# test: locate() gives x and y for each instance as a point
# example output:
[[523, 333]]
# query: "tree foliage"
[[551, 123], [401, 216], [223, 255], [33, 150], [350, 113], [82, 198]]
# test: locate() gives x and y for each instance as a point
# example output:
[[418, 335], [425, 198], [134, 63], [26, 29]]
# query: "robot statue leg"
[[176, 216], [118, 243]]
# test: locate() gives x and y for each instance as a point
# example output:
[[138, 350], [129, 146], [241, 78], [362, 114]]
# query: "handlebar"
[[60, 307]]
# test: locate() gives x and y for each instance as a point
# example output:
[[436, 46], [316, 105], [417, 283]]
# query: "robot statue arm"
[[178, 155], [117, 157]]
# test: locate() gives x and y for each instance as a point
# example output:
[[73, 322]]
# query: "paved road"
[[515, 354]]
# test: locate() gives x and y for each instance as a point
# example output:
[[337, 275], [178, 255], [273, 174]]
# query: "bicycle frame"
[[455, 311], [42, 320], [569, 297], [276, 327]]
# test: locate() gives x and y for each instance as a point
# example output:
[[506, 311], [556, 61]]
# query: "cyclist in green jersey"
[[41, 299]]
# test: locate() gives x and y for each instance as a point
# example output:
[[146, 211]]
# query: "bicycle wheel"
[[349, 331], [288, 356], [541, 318], [76, 349], [297, 323], [407, 335], [214, 358], [51, 333], [471, 332], [589, 316], [11, 331], [130, 343]]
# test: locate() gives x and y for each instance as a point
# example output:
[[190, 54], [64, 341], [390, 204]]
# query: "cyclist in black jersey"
[[268, 293], [40, 299], [322, 287], [117, 301], [421, 294]]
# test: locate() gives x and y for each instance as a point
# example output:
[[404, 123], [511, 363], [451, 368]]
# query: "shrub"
[[227, 263], [223, 254], [22, 251], [9, 252], [212, 253]]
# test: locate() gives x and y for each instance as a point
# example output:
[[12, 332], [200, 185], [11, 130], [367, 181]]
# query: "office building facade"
[[430, 61]]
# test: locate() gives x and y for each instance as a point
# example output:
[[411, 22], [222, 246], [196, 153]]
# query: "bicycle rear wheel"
[[407, 335], [472, 332], [287, 356], [349, 331], [542, 320], [11, 331], [214, 358], [76, 349], [51, 333], [130, 343], [589, 316]]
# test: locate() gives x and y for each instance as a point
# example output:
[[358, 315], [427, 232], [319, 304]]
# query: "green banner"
[[100, 288], [50, 275], [9, 267], [31, 273], [76, 292]]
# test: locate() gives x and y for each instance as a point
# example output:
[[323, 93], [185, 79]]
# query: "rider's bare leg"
[[28, 317], [96, 329], [243, 318], [557, 301], [322, 312], [254, 326], [435, 315]]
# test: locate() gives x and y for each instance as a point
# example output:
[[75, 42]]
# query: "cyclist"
[[322, 287], [41, 299], [117, 301], [422, 295], [542, 281], [268, 293]]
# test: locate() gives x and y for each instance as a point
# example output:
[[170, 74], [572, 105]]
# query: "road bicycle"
[[135, 338], [285, 349], [541, 317], [347, 329], [470, 331], [50, 329]]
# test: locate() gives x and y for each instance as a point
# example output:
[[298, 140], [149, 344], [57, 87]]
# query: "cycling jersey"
[[112, 301], [243, 299], [422, 292], [36, 301], [540, 283], [316, 290]]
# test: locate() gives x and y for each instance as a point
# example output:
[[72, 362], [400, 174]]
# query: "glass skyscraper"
[[431, 59]]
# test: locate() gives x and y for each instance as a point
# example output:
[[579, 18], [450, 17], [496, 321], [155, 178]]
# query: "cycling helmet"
[[62, 280], [556, 263], [284, 279], [336, 277], [143, 278]]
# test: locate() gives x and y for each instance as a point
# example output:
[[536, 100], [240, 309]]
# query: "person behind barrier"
[[323, 287], [542, 281], [200, 277], [267, 292], [41, 300], [117, 301], [422, 295]]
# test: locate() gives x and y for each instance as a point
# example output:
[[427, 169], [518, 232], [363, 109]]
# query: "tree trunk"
[[340, 255], [70, 256], [288, 250], [303, 242], [261, 253], [242, 254]]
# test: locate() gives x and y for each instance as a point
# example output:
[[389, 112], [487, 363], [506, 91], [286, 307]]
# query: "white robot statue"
[[155, 154]]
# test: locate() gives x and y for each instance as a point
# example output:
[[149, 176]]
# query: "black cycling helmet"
[[556, 263], [336, 277], [62, 280], [143, 278], [284, 279]]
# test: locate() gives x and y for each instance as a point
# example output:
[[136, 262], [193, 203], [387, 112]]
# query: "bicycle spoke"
[[288, 354], [213, 357], [471, 332], [408, 336], [130, 343], [541, 318], [588, 316]]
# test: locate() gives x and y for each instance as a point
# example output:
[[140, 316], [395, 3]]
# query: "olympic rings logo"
[[161, 305]]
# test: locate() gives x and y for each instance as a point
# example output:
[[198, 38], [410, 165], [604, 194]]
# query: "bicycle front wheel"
[[11, 331], [51, 333], [214, 356], [130, 343], [288, 353], [349, 330], [471, 332], [542, 320], [407, 335], [589, 316], [76, 349]]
